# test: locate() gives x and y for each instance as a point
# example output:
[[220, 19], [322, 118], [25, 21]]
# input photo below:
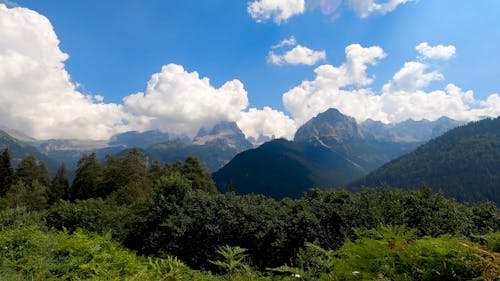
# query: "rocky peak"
[[329, 128], [226, 132]]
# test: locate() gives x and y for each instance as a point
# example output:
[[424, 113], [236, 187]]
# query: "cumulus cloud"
[[267, 122], [436, 52], [38, 97], [277, 10], [365, 8], [36, 92], [180, 101], [403, 97], [297, 55]]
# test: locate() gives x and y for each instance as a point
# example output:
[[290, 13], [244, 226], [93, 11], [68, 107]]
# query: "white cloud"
[[411, 78], [285, 43], [312, 97], [38, 97], [401, 98], [277, 10], [266, 122], [436, 52], [282, 53], [36, 93], [365, 8], [298, 55], [179, 101]]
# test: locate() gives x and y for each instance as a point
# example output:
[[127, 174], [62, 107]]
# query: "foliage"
[[59, 187], [463, 163], [394, 253], [232, 258], [32, 197], [87, 179], [29, 253], [6, 172]]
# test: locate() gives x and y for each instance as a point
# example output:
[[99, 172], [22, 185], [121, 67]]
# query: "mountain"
[[337, 132], [141, 140], [464, 163], [214, 147], [225, 132], [329, 150], [19, 150], [282, 168], [409, 130]]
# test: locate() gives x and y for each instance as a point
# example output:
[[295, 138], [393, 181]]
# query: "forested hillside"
[[90, 229], [464, 163]]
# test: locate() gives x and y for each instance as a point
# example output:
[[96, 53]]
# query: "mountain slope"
[[330, 150], [214, 147], [19, 150], [282, 168], [337, 132], [464, 163]]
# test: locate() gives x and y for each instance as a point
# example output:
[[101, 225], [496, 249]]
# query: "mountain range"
[[330, 150], [463, 163]]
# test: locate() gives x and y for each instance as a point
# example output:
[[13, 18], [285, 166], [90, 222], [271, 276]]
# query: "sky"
[[90, 69]]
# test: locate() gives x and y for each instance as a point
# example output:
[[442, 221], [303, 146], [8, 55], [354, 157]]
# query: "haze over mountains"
[[330, 150]]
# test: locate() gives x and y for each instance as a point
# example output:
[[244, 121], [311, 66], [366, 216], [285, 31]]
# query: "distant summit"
[[409, 130], [138, 139], [226, 132], [215, 147]]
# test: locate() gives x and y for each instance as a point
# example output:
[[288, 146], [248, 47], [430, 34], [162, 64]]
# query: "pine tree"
[[6, 172], [59, 187], [88, 178], [27, 171], [43, 174]]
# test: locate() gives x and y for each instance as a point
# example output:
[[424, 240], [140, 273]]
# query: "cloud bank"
[[38, 97], [36, 92], [405, 96]]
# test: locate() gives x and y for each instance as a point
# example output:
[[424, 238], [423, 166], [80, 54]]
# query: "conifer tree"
[[43, 174], [27, 171], [6, 172], [87, 179], [59, 187]]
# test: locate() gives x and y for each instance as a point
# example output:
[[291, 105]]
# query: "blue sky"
[[115, 47]]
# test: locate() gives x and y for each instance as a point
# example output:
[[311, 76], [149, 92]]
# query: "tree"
[[43, 174], [27, 171], [32, 196], [59, 187], [6, 172], [124, 170], [200, 178], [156, 171], [88, 178]]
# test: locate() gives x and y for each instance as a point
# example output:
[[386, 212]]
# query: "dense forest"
[[464, 163], [124, 219]]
